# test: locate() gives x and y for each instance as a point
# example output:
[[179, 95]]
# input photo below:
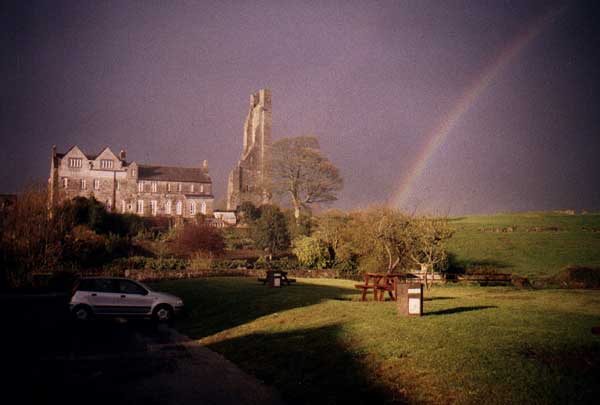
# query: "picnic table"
[[269, 279], [380, 284]]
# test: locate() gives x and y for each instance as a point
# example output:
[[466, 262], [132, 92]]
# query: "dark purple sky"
[[170, 83]]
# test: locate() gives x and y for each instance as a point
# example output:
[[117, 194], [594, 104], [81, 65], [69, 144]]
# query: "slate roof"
[[166, 173], [88, 156]]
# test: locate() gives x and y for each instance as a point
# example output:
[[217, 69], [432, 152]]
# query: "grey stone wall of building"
[[120, 186], [249, 180]]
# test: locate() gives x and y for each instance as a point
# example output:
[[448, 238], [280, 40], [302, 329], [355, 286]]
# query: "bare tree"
[[302, 173], [428, 238]]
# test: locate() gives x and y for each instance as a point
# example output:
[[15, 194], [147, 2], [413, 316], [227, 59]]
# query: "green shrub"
[[312, 253]]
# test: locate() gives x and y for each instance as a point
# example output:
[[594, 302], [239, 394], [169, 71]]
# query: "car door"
[[104, 296], [134, 299]]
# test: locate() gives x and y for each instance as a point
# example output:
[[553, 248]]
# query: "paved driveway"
[[52, 360]]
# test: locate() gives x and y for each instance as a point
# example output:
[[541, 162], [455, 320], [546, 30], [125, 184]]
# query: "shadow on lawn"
[[438, 298], [220, 304], [459, 310], [307, 366], [55, 360]]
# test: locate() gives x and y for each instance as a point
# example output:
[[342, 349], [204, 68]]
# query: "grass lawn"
[[317, 344], [529, 253]]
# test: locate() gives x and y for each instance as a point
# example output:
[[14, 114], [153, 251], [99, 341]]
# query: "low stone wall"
[[157, 275]]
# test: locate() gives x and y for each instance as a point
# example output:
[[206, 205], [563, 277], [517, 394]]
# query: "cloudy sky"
[[509, 91]]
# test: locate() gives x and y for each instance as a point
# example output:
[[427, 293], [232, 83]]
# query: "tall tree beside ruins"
[[301, 173]]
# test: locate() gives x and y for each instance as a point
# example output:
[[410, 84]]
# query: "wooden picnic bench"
[[380, 284], [270, 276]]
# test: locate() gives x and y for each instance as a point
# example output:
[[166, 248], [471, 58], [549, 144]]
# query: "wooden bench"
[[284, 278], [365, 288]]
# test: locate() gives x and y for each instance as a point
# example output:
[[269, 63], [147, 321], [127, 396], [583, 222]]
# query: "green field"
[[539, 245], [317, 344]]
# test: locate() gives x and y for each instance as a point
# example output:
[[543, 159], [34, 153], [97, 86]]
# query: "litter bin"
[[276, 279], [410, 299]]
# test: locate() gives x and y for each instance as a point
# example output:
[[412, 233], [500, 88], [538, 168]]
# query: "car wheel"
[[82, 313], [163, 313]]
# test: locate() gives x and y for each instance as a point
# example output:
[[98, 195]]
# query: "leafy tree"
[[301, 173], [248, 212], [331, 229], [270, 231]]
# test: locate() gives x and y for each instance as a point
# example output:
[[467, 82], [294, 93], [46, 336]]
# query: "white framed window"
[[192, 188], [65, 182], [140, 206], [202, 188], [192, 208], [141, 186], [106, 164], [154, 207], [154, 187], [179, 187], [96, 184], [132, 172], [75, 162], [123, 206], [203, 207], [178, 208], [83, 184], [168, 186], [168, 207]]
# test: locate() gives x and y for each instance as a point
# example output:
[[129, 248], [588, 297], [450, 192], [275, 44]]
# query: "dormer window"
[[154, 187], [106, 164], [179, 187], [75, 162], [202, 188], [192, 188]]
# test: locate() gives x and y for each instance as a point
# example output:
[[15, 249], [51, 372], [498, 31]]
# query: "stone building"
[[130, 187], [249, 180]]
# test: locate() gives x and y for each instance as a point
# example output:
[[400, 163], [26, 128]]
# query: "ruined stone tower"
[[250, 180]]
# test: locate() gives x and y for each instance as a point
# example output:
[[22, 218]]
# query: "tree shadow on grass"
[[218, 304], [458, 310], [306, 366], [438, 298]]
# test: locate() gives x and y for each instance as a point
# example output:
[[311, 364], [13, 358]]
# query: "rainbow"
[[439, 134]]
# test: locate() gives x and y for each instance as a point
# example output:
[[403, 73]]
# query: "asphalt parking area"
[[52, 359]]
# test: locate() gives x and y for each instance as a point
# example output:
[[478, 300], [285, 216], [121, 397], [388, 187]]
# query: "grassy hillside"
[[531, 244]]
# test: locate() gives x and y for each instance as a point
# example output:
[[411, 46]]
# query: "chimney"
[[205, 165], [122, 154]]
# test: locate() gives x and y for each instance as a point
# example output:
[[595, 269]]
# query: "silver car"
[[121, 297]]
